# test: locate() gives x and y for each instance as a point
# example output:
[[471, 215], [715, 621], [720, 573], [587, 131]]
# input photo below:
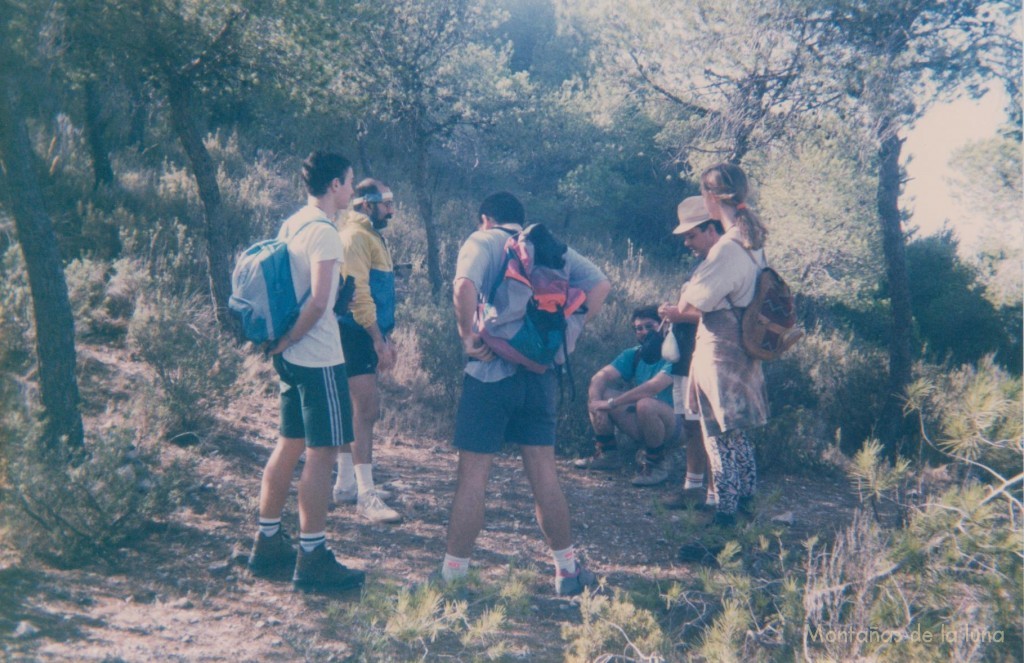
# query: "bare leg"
[[365, 413], [656, 420], [549, 501], [696, 457], [277, 475], [315, 488], [467, 515], [600, 420]]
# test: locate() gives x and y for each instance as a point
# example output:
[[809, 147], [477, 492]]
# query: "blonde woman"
[[726, 385]]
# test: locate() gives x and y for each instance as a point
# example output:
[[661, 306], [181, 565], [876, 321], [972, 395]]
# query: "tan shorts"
[[680, 384]]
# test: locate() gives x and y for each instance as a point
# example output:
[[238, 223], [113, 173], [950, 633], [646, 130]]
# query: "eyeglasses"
[[646, 327]]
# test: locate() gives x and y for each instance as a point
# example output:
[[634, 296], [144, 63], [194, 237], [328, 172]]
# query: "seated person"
[[634, 395]]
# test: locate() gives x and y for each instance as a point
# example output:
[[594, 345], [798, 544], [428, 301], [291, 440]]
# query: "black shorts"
[[315, 404], [360, 357], [521, 409]]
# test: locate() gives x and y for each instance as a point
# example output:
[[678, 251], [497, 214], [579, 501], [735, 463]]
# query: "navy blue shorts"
[[360, 357], [315, 404], [521, 409]]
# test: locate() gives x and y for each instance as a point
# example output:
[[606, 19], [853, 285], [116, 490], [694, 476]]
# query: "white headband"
[[374, 197]]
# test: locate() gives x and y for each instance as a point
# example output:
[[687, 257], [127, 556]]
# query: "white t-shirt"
[[321, 346], [728, 274]]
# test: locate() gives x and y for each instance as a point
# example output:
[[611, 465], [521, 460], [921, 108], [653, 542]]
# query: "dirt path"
[[176, 594]]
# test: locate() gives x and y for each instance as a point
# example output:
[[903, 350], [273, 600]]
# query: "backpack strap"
[[303, 227], [750, 254], [309, 291], [504, 265]]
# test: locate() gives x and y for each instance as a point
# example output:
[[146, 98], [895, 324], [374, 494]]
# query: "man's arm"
[[358, 259], [465, 300], [323, 280], [596, 296], [605, 378], [648, 389]]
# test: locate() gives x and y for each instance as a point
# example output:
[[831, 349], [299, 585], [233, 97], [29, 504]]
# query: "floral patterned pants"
[[732, 461]]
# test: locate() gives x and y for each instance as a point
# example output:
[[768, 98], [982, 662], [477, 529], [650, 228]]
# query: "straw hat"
[[691, 212]]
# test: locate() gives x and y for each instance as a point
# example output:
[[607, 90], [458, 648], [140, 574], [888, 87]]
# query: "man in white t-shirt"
[[316, 417]]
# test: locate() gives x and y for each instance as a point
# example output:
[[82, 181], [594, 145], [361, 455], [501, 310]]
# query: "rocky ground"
[[179, 591]]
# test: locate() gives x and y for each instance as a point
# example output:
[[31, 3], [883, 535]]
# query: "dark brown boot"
[[319, 571], [272, 556]]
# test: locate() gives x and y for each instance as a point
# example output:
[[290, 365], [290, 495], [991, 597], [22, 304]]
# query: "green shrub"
[[972, 414], [194, 362], [17, 328], [827, 388], [613, 625], [439, 347], [71, 505]]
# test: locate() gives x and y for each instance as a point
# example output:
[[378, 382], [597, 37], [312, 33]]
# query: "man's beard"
[[380, 224]]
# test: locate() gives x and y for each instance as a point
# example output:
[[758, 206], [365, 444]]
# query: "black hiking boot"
[[272, 557], [319, 571]]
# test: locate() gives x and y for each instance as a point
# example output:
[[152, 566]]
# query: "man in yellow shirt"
[[365, 326]]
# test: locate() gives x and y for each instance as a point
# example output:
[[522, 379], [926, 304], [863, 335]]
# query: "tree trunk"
[[890, 425], [103, 173], [55, 326], [426, 206], [218, 249]]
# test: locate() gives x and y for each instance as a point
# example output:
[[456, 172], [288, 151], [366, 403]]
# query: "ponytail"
[[751, 227], [728, 183]]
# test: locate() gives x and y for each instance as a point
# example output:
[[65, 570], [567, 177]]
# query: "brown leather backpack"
[[769, 322]]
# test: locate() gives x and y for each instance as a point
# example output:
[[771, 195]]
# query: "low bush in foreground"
[[71, 505]]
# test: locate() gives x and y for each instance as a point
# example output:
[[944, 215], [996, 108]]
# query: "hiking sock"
[[565, 561], [364, 477], [604, 443], [310, 541], [346, 474], [693, 480], [655, 455], [454, 568], [269, 526]]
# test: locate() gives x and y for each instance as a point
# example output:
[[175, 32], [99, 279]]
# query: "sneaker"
[[351, 495], [272, 556], [571, 585], [652, 474], [601, 461], [318, 570], [373, 508]]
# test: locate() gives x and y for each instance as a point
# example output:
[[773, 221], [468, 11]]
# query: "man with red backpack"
[[503, 401]]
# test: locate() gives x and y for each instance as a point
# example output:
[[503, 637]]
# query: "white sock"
[[454, 567], [712, 499], [346, 475], [693, 480], [311, 541], [565, 561], [269, 526], [364, 477]]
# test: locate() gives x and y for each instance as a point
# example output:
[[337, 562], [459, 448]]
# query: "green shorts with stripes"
[[315, 405]]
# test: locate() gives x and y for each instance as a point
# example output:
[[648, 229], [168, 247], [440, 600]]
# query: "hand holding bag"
[[670, 347]]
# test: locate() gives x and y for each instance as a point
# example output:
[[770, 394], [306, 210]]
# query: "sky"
[[930, 142]]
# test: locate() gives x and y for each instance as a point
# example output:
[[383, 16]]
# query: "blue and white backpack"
[[262, 291]]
